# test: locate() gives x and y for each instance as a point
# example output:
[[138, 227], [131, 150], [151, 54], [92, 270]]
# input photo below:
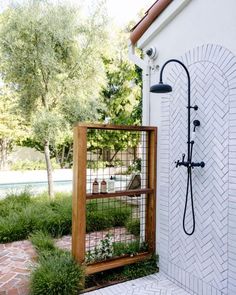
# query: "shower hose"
[[189, 189]]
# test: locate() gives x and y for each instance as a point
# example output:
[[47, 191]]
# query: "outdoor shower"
[[165, 88]]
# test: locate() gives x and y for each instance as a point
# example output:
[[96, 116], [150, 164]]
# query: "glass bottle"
[[95, 189], [103, 187], [111, 185]]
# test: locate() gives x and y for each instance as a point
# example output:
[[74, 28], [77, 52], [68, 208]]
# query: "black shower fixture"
[[165, 88]]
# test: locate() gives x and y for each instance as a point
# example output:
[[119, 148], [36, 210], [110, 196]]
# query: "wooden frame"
[[80, 196]]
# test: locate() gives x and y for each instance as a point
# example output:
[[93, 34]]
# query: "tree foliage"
[[122, 97], [51, 55], [12, 126], [122, 93]]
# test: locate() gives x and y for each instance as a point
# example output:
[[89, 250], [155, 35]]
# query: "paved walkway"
[[156, 284], [17, 259]]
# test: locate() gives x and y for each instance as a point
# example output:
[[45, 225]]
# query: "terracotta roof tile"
[[150, 16]]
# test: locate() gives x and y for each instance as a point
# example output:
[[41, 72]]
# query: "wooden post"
[[79, 194], [151, 198]]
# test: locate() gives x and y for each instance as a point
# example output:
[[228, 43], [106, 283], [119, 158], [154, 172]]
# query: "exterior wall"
[[204, 263]]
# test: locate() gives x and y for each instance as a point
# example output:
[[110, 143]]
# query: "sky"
[[121, 11]]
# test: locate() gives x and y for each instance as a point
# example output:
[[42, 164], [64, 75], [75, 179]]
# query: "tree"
[[122, 97], [52, 57], [122, 93], [12, 126]]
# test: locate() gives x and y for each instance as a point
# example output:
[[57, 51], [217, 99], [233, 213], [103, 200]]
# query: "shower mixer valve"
[[189, 163]]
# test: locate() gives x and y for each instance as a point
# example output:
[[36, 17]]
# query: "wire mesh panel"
[[113, 195]]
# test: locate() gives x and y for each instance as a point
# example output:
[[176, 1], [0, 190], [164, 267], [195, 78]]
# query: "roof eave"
[[141, 27]]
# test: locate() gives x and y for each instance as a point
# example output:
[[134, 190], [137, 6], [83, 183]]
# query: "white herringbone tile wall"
[[204, 263]]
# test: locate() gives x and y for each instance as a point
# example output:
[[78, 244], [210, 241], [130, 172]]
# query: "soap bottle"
[[95, 189], [103, 187], [111, 185]]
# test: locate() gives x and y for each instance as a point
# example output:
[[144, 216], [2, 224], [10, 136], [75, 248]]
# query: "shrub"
[[14, 202], [120, 215], [38, 213], [133, 226], [91, 164], [20, 216], [97, 221], [42, 241], [102, 215], [131, 248], [32, 165], [56, 272]]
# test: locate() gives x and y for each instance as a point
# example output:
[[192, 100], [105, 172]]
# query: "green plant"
[[26, 215], [42, 241], [91, 164], [97, 221], [131, 248], [53, 82], [105, 214], [106, 249], [22, 215], [32, 165], [14, 202], [56, 272], [133, 226], [101, 252], [135, 167]]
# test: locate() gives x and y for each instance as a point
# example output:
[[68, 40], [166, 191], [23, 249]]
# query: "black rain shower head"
[[161, 88]]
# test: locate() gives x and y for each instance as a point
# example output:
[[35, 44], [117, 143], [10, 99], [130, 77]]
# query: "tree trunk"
[[3, 153], [49, 169]]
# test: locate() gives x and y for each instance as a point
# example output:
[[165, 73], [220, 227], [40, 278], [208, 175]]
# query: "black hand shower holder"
[[165, 88]]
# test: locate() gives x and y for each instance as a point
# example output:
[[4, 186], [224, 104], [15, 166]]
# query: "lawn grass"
[[21, 215]]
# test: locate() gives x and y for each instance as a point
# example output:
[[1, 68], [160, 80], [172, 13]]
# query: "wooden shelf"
[[117, 262], [116, 127], [134, 192]]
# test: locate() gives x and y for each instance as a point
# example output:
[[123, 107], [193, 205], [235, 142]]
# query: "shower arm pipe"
[[189, 97]]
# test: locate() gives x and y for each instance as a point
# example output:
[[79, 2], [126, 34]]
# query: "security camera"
[[151, 52]]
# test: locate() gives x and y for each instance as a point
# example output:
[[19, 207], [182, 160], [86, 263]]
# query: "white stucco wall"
[[200, 22], [203, 36]]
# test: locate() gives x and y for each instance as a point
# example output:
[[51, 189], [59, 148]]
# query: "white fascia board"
[[165, 17]]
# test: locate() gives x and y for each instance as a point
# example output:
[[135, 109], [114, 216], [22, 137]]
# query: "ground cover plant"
[[21, 215], [56, 271], [107, 249]]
